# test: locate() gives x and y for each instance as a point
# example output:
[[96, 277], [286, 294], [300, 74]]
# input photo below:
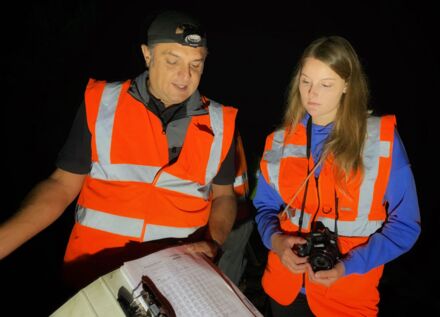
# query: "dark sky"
[[50, 49]]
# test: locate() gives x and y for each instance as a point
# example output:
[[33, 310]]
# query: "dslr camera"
[[321, 248]]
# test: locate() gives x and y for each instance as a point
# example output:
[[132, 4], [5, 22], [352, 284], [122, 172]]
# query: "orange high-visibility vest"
[[131, 193], [361, 212]]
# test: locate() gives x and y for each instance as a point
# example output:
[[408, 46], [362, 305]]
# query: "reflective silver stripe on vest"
[[216, 118], [240, 180], [374, 149], [105, 120], [124, 172], [294, 215], [176, 184], [129, 227], [273, 158], [155, 232], [357, 228], [124, 226]]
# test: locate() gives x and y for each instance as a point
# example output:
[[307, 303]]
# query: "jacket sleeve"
[[268, 203], [402, 228]]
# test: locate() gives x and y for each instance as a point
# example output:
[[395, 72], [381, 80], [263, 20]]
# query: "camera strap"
[[308, 151], [336, 213]]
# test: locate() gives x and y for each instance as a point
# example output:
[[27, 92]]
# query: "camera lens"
[[321, 261]]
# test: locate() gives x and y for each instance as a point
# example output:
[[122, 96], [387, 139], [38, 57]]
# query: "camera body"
[[321, 248]]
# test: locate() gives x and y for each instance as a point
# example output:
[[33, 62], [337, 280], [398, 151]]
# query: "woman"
[[333, 169]]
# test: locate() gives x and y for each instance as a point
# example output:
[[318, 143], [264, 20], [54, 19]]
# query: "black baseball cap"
[[176, 27]]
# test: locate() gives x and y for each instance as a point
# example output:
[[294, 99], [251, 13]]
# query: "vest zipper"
[[156, 177]]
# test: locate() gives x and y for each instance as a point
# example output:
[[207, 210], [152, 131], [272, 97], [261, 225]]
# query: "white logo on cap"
[[193, 38]]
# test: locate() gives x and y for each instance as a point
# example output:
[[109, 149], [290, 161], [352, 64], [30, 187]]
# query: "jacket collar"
[[138, 90]]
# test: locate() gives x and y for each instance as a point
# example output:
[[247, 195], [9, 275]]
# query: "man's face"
[[174, 71]]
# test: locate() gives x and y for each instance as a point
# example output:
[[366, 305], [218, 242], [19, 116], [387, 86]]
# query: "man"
[[151, 158]]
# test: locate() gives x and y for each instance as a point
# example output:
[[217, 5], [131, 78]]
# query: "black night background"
[[49, 49]]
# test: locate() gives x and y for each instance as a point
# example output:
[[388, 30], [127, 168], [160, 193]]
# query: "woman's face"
[[321, 90]]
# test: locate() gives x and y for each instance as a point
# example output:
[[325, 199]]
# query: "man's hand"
[[327, 277], [208, 248], [282, 245]]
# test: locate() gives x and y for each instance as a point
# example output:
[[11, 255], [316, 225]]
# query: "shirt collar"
[[138, 90], [322, 129]]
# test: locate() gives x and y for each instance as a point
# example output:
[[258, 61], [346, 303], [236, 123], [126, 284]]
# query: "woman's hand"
[[282, 245], [327, 277]]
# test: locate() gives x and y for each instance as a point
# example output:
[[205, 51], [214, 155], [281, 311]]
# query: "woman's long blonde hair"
[[346, 141]]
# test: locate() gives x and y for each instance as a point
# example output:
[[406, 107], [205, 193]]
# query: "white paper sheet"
[[190, 283]]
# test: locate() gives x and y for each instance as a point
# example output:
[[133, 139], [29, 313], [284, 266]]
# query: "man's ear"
[[146, 53]]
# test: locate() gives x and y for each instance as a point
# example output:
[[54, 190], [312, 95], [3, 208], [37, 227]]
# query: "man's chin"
[[179, 98]]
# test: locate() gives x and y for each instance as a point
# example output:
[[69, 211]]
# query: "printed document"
[[193, 285]]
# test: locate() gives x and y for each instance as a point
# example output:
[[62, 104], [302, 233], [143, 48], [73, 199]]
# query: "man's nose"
[[185, 71]]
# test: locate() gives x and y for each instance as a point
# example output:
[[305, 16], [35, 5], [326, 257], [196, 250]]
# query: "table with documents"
[[191, 283]]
